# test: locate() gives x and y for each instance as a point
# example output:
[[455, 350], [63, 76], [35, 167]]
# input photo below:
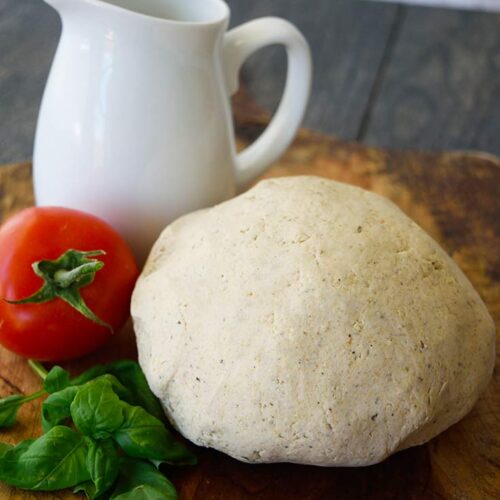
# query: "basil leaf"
[[54, 461], [88, 488], [9, 407], [4, 447], [90, 374], [143, 436], [140, 480], [56, 380], [130, 374], [120, 390], [97, 410], [104, 371], [56, 408], [103, 465]]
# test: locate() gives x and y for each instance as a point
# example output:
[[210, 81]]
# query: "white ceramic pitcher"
[[135, 124]]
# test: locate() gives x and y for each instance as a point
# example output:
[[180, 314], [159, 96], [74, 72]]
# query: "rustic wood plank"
[[28, 37], [348, 40], [441, 89], [493, 5], [455, 198]]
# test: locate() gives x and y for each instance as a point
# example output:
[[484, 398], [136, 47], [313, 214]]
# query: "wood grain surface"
[[348, 41], [455, 197], [441, 86], [392, 75]]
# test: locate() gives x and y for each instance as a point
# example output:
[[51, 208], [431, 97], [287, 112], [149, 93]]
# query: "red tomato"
[[53, 330]]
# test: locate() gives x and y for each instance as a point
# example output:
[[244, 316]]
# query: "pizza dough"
[[309, 321]]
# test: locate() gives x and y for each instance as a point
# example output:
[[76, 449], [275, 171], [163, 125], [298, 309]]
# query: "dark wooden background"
[[385, 74]]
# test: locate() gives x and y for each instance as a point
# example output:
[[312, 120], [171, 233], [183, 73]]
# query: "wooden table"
[[455, 197], [398, 76]]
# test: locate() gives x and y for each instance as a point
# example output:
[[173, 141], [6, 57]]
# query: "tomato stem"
[[38, 368], [64, 277]]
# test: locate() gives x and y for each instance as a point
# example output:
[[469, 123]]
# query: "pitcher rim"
[[114, 7]]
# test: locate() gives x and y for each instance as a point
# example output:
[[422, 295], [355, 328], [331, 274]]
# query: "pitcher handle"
[[239, 44]]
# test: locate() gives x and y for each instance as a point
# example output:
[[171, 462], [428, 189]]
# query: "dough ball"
[[309, 321]]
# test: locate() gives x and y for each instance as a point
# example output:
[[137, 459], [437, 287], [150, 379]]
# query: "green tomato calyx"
[[64, 277]]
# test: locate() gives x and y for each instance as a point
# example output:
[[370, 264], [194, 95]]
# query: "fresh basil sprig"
[[103, 464], [113, 414], [130, 375], [56, 380], [56, 408], [54, 461], [143, 436], [96, 409], [139, 480], [129, 383], [10, 405]]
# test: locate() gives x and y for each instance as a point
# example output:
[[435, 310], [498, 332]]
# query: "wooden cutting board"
[[456, 198]]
